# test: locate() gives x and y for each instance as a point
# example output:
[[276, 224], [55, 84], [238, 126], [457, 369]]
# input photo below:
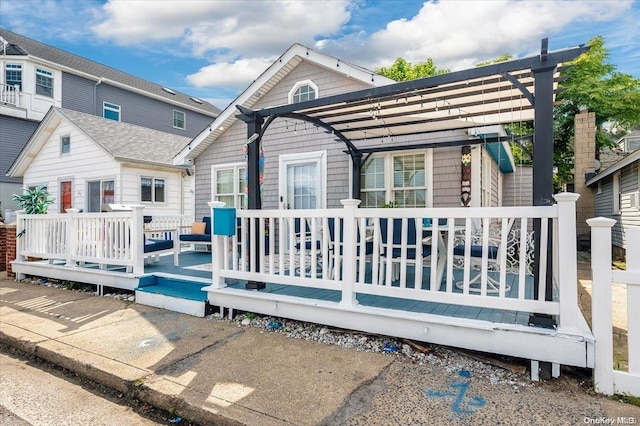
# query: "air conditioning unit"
[[634, 199]]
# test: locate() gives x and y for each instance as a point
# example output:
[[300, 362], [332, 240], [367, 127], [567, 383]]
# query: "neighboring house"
[[617, 190], [306, 167], [35, 76], [87, 162]]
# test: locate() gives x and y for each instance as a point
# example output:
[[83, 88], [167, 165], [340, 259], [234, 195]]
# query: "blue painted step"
[[174, 287]]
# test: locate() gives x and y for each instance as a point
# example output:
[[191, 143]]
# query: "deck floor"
[[196, 266]]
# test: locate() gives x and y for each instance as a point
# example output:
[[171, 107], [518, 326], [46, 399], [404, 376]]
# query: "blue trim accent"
[[498, 153]]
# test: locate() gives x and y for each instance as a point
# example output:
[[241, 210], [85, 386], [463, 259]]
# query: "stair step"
[[173, 294]]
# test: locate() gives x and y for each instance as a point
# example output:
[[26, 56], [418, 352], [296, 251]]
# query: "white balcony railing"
[[10, 95]]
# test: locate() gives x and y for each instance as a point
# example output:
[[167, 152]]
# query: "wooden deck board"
[[196, 265]]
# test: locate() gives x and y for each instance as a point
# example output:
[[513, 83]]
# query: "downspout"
[[95, 96]]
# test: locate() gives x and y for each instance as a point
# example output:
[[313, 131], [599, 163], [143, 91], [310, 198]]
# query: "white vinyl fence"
[[346, 250], [78, 238], [607, 380]]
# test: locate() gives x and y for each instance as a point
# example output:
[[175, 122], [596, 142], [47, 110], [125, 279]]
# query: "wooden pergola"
[[514, 91]]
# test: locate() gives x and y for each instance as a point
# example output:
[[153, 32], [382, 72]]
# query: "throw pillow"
[[198, 228]]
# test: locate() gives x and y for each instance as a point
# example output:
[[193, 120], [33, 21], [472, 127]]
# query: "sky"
[[214, 49]]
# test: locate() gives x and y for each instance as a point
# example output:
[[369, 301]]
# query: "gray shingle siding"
[[14, 134], [78, 94], [81, 94], [604, 202], [517, 187], [307, 138]]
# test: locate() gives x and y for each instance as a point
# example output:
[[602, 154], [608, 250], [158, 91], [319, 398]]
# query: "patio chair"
[[336, 243], [476, 250], [200, 233], [416, 252]]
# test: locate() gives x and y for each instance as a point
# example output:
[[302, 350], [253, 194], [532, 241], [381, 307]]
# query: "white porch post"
[[217, 250], [71, 236], [567, 262], [601, 302], [633, 297], [349, 253], [137, 240]]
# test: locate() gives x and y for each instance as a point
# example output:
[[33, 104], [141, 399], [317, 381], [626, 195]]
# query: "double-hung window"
[[179, 119], [13, 75], [399, 178], [44, 82], [229, 183], [65, 145], [152, 190], [111, 111]]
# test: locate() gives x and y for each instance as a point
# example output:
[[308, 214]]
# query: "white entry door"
[[302, 180]]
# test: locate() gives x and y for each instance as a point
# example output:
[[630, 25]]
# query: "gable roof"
[[280, 68], [629, 159], [122, 141], [19, 45]]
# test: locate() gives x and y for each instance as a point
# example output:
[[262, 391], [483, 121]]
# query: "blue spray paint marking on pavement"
[[473, 403]]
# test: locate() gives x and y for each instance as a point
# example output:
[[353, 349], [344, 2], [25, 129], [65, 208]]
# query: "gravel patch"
[[441, 357]]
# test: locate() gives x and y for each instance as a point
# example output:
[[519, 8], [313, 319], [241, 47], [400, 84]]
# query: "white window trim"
[[101, 180], [616, 193], [300, 84], [184, 119], [153, 185], [45, 73], [60, 150], [236, 174], [109, 106], [288, 159], [485, 180], [476, 170], [10, 66], [59, 198], [388, 172]]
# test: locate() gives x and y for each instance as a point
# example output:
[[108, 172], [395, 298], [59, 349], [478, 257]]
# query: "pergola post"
[[356, 161], [543, 170], [254, 201]]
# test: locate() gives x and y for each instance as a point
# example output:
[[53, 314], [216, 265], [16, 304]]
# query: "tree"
[[403, 70], [595, 85]]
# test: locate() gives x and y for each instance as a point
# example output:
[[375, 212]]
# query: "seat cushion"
[[205, 238], [155, 245], [476, 251]]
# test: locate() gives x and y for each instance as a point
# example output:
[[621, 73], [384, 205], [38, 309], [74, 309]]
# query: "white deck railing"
[[78, 238], [606, 379], [331, 259], [9, 95]]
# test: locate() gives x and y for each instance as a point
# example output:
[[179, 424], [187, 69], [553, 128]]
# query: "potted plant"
[[34, 200]]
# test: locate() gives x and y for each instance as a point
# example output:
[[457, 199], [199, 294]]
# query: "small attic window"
[[303, 91], [196, 100], [169, 91]]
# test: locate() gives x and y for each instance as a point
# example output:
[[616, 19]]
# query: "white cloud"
[[458, 34], [238, 74], [223, 30]]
